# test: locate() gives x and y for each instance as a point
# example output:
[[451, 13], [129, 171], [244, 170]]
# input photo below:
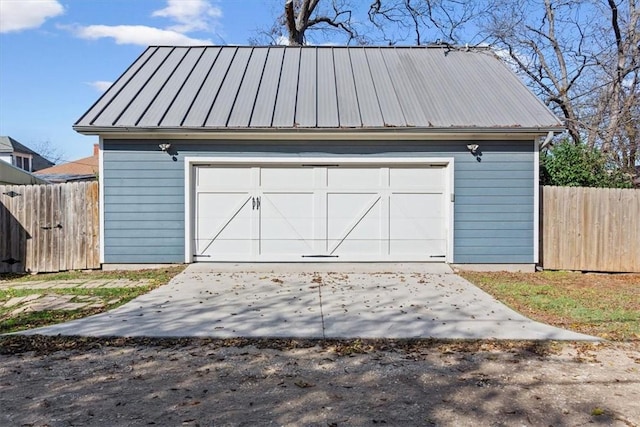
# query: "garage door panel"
[[428, 249], [424, 178], [286, 178], [416, 215], [224, 223], [352, 178], [287, 223], [354, 223], [221, 177], [417, 224]]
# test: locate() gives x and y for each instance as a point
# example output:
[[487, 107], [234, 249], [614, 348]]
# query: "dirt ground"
[[279, 382]]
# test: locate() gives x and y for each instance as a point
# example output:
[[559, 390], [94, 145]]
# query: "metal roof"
[[234, 87]]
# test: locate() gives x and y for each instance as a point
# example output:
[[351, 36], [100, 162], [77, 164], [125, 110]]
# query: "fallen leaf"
[[303, 384]]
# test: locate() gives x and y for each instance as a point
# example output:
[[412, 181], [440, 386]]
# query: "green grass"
[[604, 305], [109, 297], [36, 319], [153, 274]]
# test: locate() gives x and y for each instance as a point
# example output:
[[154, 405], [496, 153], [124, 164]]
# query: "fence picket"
[[585, 229], [49, 228], [590, 229]]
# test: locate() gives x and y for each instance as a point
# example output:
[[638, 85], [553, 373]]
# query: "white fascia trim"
[[101, 190], [302, 135], [536, 200], [190, 162]]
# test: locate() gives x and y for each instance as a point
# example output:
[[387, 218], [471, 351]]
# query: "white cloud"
[[138, 35], [506, 57], [17, 15], [190, 15], [100, 85], [282, 41]]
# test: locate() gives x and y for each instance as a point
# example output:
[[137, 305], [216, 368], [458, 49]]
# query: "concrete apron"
[[315, 301]]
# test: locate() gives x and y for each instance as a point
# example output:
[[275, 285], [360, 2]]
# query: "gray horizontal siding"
[[476, 209], [144, 259], [144, 193], [502, 233], [143, 225], [165, 242]]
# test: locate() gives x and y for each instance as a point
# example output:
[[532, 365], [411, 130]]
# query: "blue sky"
[[57, 56]]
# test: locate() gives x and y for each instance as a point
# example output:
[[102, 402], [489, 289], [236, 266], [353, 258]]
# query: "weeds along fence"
[[590, 229], [49, 228]]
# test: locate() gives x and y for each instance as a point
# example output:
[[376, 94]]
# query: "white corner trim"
[[451, 207], [536, 201], [101, 191], [190, 162], [188, 211]]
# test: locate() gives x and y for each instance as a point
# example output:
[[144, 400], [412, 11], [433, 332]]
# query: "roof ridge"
[[386, 47]]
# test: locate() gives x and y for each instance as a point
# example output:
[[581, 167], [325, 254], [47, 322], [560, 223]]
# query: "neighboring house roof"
[[11, 175], [10, 145], [277, 87], [78, 170]]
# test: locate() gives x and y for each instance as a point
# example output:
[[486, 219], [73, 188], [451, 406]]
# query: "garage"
[[320, 211], [319, 154]]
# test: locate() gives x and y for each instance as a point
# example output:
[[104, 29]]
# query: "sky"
[[58, 56]]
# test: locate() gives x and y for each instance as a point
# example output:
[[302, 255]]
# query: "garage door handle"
[[255, 203]]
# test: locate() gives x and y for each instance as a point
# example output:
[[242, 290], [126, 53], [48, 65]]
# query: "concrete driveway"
[[315, 301]]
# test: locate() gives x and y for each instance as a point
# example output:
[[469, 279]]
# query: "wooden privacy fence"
[[49, 228], [590, 229]]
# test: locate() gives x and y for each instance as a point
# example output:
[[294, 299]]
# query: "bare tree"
[[300, 17], [545, 42], [389, 21], [428, 21], [616, 118], [331, 19], [49, 151], [582, 59]]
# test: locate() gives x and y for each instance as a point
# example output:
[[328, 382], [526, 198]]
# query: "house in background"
[[85, 169], [20, 156], [321, 154]]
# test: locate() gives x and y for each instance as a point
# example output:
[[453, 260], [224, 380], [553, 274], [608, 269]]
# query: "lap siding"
[[144, 193]]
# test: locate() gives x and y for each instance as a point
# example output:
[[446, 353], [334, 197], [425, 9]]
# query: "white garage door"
[[317, 213]]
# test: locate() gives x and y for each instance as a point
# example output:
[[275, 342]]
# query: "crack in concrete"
[[318, 280]]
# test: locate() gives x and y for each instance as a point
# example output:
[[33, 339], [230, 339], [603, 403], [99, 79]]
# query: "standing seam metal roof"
[[235, 87]]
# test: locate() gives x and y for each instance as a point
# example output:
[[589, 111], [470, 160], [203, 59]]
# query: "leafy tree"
[[577, 165]]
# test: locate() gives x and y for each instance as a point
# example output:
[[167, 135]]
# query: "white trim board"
[[101, 195], [191, 162], [536, 201], [320, 135]]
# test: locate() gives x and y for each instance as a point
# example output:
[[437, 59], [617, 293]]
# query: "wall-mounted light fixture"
[[473, 148], [164, 146]]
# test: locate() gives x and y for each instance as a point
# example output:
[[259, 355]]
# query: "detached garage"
[[298, 154]]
